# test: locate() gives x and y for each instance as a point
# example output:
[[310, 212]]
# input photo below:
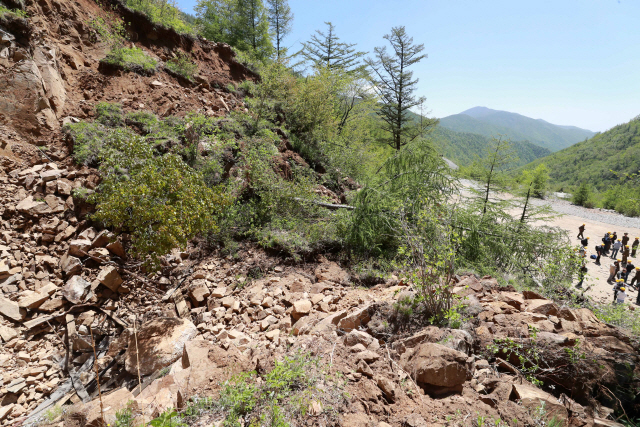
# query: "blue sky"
[[570, 62]]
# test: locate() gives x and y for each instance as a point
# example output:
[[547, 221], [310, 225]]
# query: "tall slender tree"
[[396, 88], [280, 23], [325, 49], [241, 23]]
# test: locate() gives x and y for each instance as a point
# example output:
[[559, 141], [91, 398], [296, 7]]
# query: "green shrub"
[[183, 66], [109, 114], [16, 12], [160, 200], [93, 141], [131, 59], [112, 32], [583, 195], [145, 121], [163, 12]]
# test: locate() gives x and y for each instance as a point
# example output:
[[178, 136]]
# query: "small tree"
[[489, 171], [582, 196], [280, 22], [326, 50], [393, 82]]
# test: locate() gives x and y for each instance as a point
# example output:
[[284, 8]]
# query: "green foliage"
[[281, 397], [15, 12], [159, 199], [169, 418], [280, 23], [132, 59], [392, 81], [325, 50], [91, 141], [619, 315], [241, 23], [183, 66], [583, 196], [111, 32], [607, 159], [56, 411], [145, 121], [124, 417], [528, 354], [163, 12], [535, 181], [109, 114]]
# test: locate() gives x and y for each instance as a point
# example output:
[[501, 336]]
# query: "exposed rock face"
[[160, 343], [436, 365]]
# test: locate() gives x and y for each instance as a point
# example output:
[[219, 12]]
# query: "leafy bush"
[[112, 32], [159, 199], [583, 195], [145, 121], [16, 12], [92, 141], [163, 12], [131, 59], [182, 65], [109, 114]]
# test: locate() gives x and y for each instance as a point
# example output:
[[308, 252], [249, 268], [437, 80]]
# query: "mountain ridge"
[[488, 122]]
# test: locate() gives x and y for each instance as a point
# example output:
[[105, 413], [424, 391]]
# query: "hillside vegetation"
[[488, 122], [604, 164]]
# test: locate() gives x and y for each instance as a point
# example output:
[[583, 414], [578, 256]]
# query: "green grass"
[[164, 13], [183, 66], [131, 59]]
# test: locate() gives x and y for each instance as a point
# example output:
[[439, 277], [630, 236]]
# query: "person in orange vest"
[[580, 231], [634, 246]]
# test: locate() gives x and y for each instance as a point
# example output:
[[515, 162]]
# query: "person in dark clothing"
[[599, 251], [607, 243], [635, 282], [614, 237], [582, 273], [634, 247], [625, 254], [585, 242], [580, 231], [630, 267], [625, 239]]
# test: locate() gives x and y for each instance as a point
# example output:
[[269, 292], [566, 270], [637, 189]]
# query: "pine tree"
[[393, 82], [280, 22], [241, 23], [326, 50]]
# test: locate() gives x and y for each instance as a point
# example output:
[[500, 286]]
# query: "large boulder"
[[331, 272], [111, 403], [532, 398], [437, 368], [160, 343], [75, 289]]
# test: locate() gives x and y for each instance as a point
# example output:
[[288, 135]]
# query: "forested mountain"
[[594, 161], [463, 148], [488, 122]]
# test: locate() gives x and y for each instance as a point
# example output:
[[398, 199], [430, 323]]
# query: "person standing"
[[621, 295], [634, 246], [625, 239], [581, 231], [636, 280], [613, 269], [625, 254], [616, 288], [607, 243], [616, 247], [630, 267]]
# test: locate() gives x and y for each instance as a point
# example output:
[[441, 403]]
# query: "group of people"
[[621, 269]]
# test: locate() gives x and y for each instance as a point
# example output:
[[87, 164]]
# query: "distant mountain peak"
[[489, 122]]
